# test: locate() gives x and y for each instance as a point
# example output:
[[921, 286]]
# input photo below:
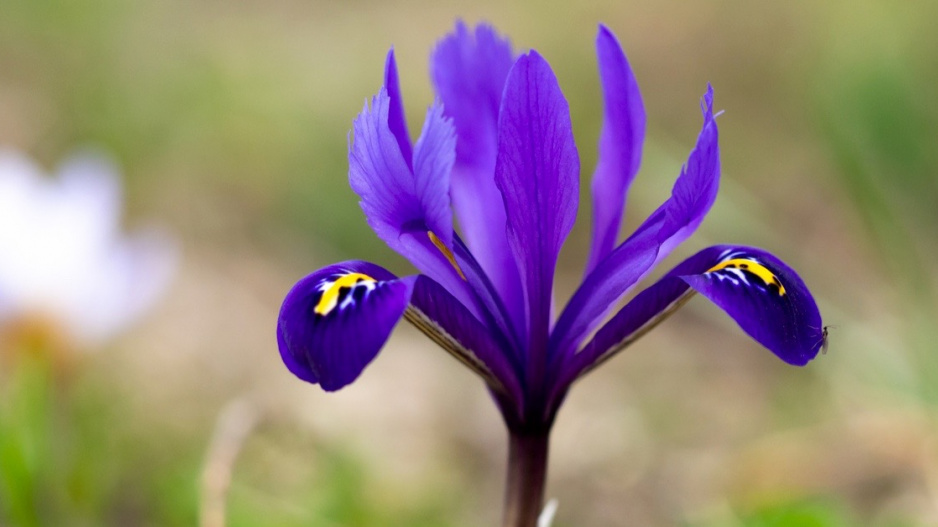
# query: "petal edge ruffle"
[[405, 206]]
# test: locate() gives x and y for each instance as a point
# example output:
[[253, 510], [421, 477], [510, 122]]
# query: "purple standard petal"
[[537, 172], [765, 296], [334, 321], [409, 209], [675, 220], [444, 319], [620, 145], [396, 120], [469, 69]]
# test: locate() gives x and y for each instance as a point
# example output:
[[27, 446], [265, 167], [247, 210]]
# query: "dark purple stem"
[[527, 475]]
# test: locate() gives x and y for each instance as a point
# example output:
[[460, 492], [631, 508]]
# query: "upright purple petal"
[[763, 294], [433, 162], [537, 172], [396, 120], [334, 321], [409, 209], [675, 220], [469, 69], [395, 198], [620, 145]]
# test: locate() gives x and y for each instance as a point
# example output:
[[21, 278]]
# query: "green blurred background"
[[230, 122]]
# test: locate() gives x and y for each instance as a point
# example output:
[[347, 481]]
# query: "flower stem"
[[527, 475]]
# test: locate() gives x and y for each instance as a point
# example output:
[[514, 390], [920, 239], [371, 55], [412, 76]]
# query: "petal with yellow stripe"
[[334, 322], [761, 293]]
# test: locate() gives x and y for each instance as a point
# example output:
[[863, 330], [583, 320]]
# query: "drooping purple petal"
[[396, 119], [469, 69], [334, 321], [767, 299], [675, 220], [537, 172], [620, 145], [409, 209], [444, 319], [763, 294]]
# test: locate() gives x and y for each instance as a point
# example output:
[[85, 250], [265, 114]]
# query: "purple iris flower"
[[497, 149]]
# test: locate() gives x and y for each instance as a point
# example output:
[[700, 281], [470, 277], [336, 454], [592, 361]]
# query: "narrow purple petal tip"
[[620, 145], [396, 120], [706, 102]]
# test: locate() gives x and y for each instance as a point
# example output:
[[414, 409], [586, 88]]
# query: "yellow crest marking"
[[446, 252], [753, 267], [330, 295]]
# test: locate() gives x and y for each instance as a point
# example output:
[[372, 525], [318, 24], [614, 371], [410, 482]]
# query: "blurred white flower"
[[63, 258]]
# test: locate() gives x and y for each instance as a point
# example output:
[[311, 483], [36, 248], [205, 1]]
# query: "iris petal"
[[537, 172], [433, 162], [469, 69], [677, 218], [763, 294], [397, 123], [620, 145], [403, 206], [767, 299], [334, 321], [441, 317]]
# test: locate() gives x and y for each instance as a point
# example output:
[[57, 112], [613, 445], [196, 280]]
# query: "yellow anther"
[[446, 252], [753, 267], [330, 297]]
